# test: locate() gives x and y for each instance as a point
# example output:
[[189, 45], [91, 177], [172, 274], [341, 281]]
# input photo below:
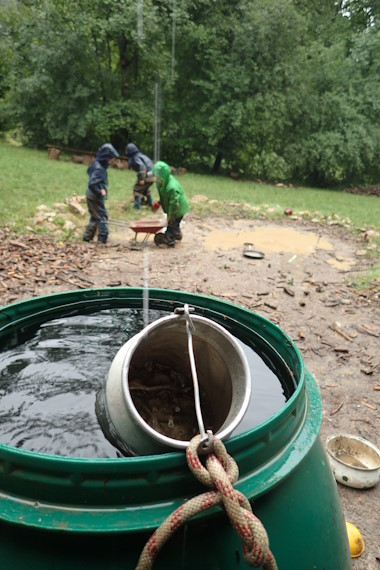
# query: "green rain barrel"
[[63, 513]]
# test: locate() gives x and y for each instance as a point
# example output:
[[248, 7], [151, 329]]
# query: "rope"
[[220, 473]]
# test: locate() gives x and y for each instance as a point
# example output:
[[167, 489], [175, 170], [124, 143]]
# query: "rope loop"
[[220, 452], [220, 473]]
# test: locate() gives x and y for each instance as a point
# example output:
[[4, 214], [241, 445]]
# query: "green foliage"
[[75, 64], [272, 89], [341, 143]]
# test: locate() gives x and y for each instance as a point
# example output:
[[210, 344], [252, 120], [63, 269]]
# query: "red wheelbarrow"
[[147, 227]]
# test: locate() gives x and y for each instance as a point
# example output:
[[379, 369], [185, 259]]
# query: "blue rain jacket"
[[97, 172], [139, 162]]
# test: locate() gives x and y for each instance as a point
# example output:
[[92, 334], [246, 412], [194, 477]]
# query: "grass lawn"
[[28, 178]]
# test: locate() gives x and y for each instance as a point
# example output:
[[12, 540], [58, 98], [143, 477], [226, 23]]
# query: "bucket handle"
[[206, 443]]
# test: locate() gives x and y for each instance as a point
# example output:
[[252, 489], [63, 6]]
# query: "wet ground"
[[304, 284]]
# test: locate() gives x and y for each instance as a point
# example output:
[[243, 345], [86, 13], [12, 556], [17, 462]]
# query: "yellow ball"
[[355, 540]]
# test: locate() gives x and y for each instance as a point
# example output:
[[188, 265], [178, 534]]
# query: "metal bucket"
[[223, 375]]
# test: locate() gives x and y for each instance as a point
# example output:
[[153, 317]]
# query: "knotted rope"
[[220, 473]]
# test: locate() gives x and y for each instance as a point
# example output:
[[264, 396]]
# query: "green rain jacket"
[[172, 197]]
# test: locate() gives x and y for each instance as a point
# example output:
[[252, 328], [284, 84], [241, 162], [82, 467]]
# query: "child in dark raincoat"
[[142, 164], [96, 193], [173, 202]]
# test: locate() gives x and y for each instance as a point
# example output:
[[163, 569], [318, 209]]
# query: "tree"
[[276, 89], [236, 70], [79, 72]]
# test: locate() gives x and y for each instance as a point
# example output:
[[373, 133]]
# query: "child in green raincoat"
[[173, 202]]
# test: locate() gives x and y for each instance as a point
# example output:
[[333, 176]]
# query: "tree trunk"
[[124, 64], [217, 163]]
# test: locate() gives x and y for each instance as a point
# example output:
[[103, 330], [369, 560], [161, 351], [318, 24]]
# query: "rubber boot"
[[89, 232], [137, 204], [102, 230]]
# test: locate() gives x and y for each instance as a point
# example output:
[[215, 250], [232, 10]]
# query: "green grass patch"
[[28, 179], [369, 279], [360, 210]]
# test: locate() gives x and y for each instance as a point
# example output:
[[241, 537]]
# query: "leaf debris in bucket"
[[164, 399]]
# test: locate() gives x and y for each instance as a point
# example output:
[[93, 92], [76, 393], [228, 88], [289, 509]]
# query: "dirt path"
[[303, 284]]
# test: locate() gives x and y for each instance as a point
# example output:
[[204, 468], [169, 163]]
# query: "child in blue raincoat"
[[96, 193], [142, 164]]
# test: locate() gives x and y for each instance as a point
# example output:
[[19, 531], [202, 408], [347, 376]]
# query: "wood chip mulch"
[[31, 260]]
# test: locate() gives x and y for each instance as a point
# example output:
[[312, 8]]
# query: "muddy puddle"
[[343, 264], [269, 239]]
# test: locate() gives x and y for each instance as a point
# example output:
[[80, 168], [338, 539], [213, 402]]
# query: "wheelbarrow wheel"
[[161, 239]]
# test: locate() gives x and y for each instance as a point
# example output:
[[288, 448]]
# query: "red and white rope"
[[220, 473]]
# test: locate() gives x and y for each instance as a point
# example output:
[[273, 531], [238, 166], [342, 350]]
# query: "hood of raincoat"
[[105, 153], [131, 149], [162, 171]]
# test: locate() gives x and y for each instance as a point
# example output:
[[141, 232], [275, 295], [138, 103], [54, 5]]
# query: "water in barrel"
[[51, 374]]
